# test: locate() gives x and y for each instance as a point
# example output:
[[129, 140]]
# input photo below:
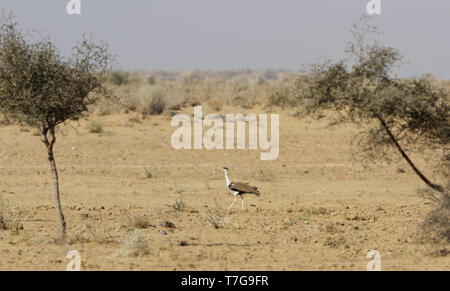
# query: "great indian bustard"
[[239, 189]]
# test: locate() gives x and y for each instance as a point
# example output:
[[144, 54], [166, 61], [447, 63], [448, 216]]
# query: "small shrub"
[[135, 244], [179, 204], [151, 172], [98, 233], [304, 215], [151, 80], [138, 222], [119, 78], [436, 226], [78, 238], [5, 215], [156, 105], [280, 99], [215, 221], [95, 126], [334, 242]]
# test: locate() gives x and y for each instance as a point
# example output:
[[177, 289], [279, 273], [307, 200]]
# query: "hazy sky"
[[237, 34]]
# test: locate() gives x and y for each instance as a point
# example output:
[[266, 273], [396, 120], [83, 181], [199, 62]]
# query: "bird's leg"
[[242, 201], [234, 201]]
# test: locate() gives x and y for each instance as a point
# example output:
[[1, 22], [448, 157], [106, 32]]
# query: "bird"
[[239, 188]]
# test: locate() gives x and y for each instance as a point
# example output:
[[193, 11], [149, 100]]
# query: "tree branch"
[[436, 187]]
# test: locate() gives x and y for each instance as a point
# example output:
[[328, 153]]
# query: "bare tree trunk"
[[436, 187], [51, 159]]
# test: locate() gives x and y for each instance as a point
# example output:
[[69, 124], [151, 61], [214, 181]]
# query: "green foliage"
[[40, 88]]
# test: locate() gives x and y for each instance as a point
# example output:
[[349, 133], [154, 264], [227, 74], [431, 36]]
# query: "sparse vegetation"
[[152, 172], [334, 242], [138, 222], [119, 78], [5, 215], [135, 244], [95, 126], [436, 226], [290, 219], [41, 89], [412, 112], [179, 205], [156, 105]]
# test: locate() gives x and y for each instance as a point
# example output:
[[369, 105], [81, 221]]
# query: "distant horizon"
[[205, 35], [241, 71]]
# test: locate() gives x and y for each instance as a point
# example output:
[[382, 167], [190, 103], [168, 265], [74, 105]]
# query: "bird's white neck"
[[228, 179]]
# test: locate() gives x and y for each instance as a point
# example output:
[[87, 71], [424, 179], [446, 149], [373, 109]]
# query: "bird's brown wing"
[[244, 188]]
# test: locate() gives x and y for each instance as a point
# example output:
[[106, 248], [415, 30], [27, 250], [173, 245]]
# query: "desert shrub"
[[135, 244], [95, 126], [156, 105], [436, 226], [151, 80], [78, 237], [138, 222], [279, 98], [152, 172], [5, 214], [334, 242], [119, 78], [179, 204], [304, 215], [132, 104]]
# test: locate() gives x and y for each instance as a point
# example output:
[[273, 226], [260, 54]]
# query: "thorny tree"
[[412, 112], [39, 88]]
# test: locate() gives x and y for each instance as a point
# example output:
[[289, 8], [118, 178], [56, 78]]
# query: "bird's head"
[[225, 169]]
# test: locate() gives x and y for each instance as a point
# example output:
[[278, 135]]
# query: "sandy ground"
[[319, 209]]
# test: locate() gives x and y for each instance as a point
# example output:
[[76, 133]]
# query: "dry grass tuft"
[[95, 126], [135, 244], [138, 222], [179, 205], [6, 217], [156, 105]]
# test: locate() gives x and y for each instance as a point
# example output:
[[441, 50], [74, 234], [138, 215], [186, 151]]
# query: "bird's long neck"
[[228, 179]]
